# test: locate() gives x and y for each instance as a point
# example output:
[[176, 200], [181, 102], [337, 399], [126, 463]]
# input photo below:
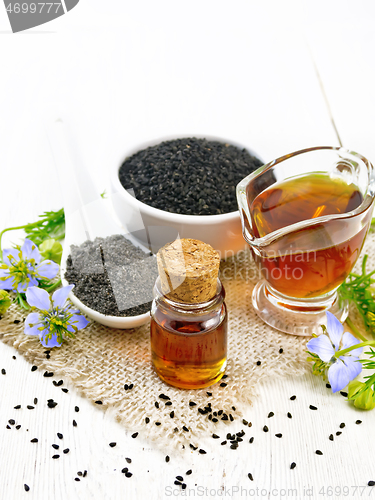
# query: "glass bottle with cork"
[[189, 316]]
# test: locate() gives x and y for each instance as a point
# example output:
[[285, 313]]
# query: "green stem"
[[22, 303], [4, 231], [355, 330], [356, 346], [52, 287]]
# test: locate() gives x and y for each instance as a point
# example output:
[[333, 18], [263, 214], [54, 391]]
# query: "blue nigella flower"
[[23, 267], [341, 369], [56, 318]]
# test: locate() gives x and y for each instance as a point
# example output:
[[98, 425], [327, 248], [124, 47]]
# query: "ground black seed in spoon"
[[188, 176], [112, 276]]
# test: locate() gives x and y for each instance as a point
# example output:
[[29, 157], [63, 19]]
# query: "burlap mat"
[[101, 360]]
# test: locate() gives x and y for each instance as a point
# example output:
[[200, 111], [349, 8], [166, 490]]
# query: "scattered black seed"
[[64, 389], [338, 433], [59, 435], [74, 423], [167, 458], [17, 407], [271, 414], [292, 398], [331, 437], [223, 443], [251, 440], [48, 374], [215, 436], [84, 473], [193, 447], [345, 394], [245, 422], [281, 350], [293, 465], [163, 396], [313, 407], [18, 427], [358, 422], [209, 393], [157, 423], [234, 446], [16, 321], [202, 452], [183, 486], [230, 417], [210, 416], [224, 417], [318, 452], [175, 429], [11, 421], [66, 451], [209, 164], [128, 474], [223, 384], [76, 479], [147, 420], [124, 470], [171, 414], [289, 415], [126, 387], [168, 403], [342, 425], [56, 446], [328, 386], [57, 384], [233, 408], [3, 371], [99, 402], [371, 483], [79, 473], [279, 435], [128, 460], [34, 440], [29, 407], [8, 427], [112, 445], [265, 428], [56, 456], [259, 363], [52, 404], [177, 483], [188, 472], [156, 404], [191, 403], [33, 368], [27, 488], [179, 478], [14, 357], [214, 420], [250, 476], [76, 409], [249, 424], [185, 428], [134, 435]]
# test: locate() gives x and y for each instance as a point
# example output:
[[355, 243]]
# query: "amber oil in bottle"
[[189, 323]]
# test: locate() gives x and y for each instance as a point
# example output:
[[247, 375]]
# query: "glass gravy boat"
[[305, 255]]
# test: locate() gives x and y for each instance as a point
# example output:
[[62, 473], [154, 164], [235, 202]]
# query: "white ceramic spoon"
[[86, 216]]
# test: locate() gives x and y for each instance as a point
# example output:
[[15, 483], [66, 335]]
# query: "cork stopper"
[[188, 270]]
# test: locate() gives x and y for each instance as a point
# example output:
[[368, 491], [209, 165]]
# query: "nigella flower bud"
[[52, 250], [4, 302], [363, 399]]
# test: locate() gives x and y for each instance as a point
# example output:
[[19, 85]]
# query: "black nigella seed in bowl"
[[188, 176]]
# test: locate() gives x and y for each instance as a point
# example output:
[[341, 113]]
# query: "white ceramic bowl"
[[154, 228]]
